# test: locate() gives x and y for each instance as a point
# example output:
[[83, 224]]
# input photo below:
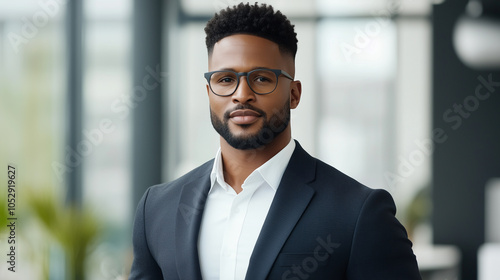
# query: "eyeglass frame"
[[277, 72]]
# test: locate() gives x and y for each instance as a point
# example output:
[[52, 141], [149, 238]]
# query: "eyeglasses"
[[260, 81]]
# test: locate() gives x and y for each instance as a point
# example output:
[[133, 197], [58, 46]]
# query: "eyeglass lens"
[[260, 81]]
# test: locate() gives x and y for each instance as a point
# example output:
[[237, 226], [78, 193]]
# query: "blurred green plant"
[[419, 210], [3, 212], [74, 228]]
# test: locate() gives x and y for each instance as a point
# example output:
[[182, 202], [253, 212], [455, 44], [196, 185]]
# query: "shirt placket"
[[232, 235]]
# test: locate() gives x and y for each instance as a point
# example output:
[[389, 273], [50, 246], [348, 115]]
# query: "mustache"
[[244, 107]]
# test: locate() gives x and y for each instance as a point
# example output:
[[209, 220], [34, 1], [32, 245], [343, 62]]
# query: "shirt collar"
[[217, 175], [271, 171]]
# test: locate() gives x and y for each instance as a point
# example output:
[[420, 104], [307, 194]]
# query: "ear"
[[295, 93], [208, 90]]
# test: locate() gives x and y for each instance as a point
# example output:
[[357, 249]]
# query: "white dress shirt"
[[232, 222]]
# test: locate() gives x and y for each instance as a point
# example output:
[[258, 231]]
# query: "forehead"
[[243, 52]]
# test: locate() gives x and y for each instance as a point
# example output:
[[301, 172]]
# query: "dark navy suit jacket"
[[322, 224]]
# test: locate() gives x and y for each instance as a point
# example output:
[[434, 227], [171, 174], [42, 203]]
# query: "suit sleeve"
[[144, 266], [380, 247]]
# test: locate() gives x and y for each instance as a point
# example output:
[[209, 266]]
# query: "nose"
[[243, 93]]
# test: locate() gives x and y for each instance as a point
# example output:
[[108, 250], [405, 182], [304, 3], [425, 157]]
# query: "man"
[[264, 208]]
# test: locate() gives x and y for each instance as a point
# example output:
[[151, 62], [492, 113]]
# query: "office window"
[[356, 81], [32, 122], [107, 121]]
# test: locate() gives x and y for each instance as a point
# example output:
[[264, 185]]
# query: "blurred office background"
[[101, 99]]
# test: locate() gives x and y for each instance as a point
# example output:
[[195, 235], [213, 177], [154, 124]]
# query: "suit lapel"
[[291, 200], [187, 226]]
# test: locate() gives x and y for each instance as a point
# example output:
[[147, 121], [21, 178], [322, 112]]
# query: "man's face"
[[245, 119]]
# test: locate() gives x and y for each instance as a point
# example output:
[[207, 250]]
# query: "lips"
[[244, 117]]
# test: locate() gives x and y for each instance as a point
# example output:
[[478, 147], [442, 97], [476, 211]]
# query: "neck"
[[239, 164]]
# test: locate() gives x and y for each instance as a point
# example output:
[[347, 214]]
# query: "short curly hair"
[[255, 20]]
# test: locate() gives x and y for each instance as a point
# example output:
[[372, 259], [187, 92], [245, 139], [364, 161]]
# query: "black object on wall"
[[466, 105]]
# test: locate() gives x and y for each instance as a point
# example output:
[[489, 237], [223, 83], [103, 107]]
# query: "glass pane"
[[373, 7], [413, 114], [357, 7], [32, 121], [191, 138], [357, 64], [108, 10], [107, 125], [410, 7]]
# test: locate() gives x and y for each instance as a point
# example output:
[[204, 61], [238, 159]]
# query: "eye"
[[225, 80], [262, 79]]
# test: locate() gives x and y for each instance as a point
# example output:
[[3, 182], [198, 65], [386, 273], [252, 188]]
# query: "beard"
[[271, 128]]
